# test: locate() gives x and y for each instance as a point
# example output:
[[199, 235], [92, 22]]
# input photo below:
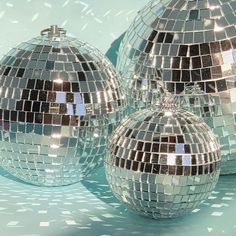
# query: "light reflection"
[[52, 155], [54, 146], [218, 28], [214, 7], [186, 160], [168, 113], [171, 159], [49, 170], [56, 135], [59, 81]]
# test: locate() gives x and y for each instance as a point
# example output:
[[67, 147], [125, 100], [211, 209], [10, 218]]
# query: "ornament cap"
[[54, 32], [169, 102]]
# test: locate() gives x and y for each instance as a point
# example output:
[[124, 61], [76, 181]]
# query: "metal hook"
[[53, 32]]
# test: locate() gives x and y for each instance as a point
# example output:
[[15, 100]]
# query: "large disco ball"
[[201, 104], [60, 100], [180, 42], [162, 162], [204, 105]]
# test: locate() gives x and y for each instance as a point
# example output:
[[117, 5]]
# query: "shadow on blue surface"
[[5, 174]]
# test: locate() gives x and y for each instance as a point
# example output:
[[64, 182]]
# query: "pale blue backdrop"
[[88, 208]]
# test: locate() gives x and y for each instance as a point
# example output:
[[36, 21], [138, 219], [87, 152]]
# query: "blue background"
[[89, 208]]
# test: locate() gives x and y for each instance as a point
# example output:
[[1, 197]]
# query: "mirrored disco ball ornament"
[[201, 104], [204, 105], [162, 162], [60, 100], [181, 42]]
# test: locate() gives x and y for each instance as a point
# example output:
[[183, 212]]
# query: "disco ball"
[[60, 100], [182, 42], [201, 104], [204, 105], [162, 162]]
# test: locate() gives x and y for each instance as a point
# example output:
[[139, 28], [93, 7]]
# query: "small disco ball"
[[181, 42], [162, 162], [60, 100]]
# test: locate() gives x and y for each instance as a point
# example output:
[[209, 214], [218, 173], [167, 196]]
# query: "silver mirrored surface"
[[181, 42], [207, 106], [59, 101], [162, 162]]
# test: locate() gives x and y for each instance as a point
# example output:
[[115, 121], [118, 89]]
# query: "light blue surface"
[[88, 208]]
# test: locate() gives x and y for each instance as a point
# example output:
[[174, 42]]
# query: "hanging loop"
[[53, 32]]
